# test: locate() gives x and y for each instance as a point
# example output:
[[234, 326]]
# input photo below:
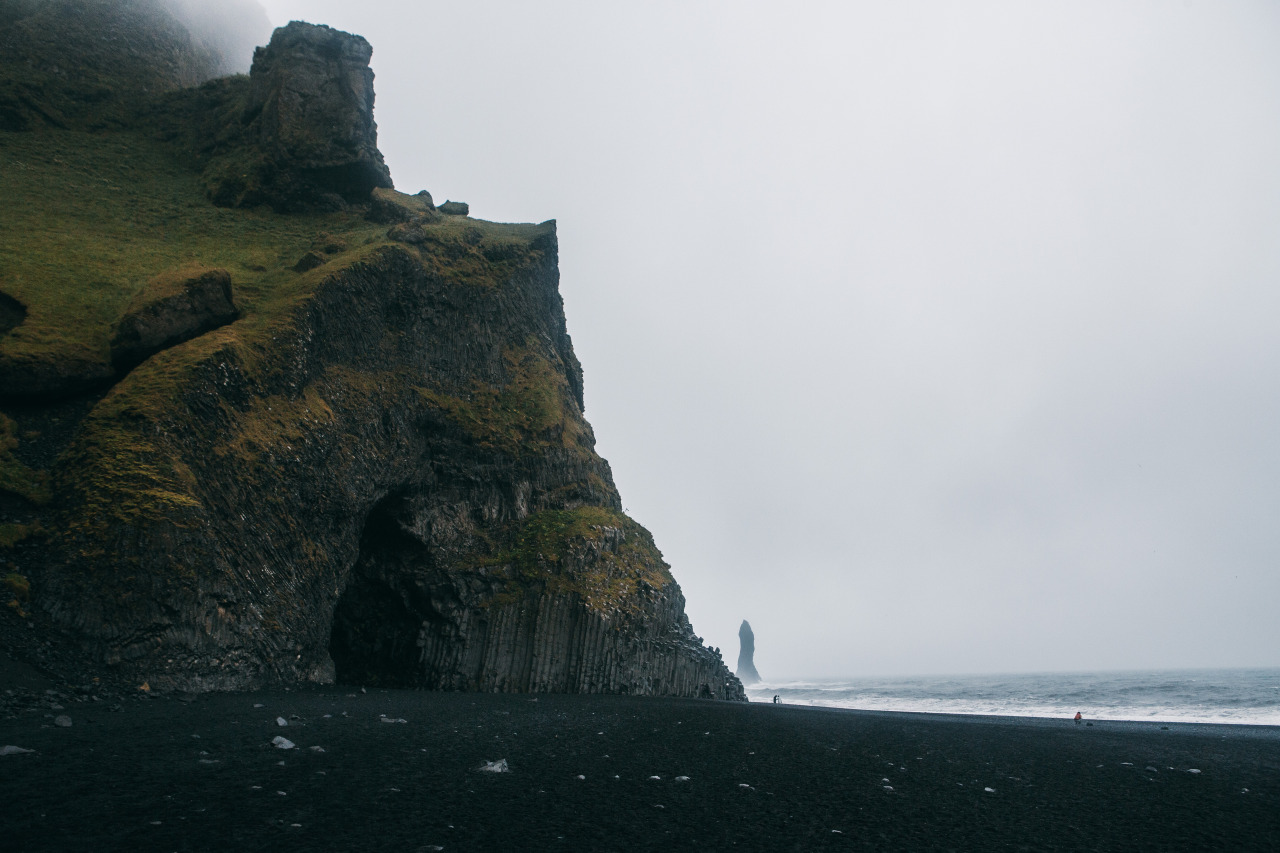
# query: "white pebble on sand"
[[13, 750], [682, 778], [499, 766], [989, 790], [281, 721], [282, 742]]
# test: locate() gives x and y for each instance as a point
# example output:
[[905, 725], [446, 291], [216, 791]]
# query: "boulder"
[[388, 207], [174, 307], [310, 261], [455, 208]]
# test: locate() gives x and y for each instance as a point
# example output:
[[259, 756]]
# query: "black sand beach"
[[167, 774]]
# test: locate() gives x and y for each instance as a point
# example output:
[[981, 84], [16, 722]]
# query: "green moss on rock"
[[596, 553], [529, 412]]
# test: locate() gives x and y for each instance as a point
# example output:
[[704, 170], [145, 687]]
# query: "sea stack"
[[747, 651]]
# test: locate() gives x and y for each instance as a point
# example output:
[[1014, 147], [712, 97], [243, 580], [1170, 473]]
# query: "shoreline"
[[1088, 722], [398, 771]]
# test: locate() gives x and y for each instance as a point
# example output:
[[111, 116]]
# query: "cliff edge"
[[272, 422]]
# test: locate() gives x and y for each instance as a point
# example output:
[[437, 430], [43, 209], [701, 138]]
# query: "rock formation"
[[379, 472], [746, 654], [173, 308], [311, 98]]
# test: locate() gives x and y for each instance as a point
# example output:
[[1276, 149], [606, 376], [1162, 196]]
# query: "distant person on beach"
[[1078, 718], [775, 698]]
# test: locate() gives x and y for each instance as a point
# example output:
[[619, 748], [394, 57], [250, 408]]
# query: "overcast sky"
[[928, 336]]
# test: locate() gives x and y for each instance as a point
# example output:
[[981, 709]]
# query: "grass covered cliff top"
[[89, 218]]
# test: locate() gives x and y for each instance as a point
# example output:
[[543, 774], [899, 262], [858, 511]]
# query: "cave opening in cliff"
[[375, 633]]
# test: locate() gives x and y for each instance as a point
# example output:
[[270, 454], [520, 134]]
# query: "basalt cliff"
[[265, 420]]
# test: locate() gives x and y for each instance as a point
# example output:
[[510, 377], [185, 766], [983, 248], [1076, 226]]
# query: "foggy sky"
[[927, 336]]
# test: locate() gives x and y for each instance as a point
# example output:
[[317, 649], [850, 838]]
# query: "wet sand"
[[166, 774]]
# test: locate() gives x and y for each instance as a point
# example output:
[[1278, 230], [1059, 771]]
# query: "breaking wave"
[[1242, 696]]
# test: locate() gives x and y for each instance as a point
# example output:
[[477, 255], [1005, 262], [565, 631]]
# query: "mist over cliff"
[[231, 28]]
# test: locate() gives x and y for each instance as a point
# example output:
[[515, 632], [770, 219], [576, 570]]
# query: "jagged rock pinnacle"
[[746, 665]]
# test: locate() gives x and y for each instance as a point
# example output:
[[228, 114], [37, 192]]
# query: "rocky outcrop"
[[173, 308], [746, 654], [310, 103]]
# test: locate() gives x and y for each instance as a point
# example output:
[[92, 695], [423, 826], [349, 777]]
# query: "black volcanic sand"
[[166, 774]]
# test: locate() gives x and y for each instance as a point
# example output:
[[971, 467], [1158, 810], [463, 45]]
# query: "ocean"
[[1242, 696]]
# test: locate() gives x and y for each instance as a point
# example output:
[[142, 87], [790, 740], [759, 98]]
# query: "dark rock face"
[[173, 309], [404, 492], [311, 93], [746, 655], [33, 379], [12, 313]]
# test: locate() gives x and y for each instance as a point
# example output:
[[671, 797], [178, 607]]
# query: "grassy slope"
[[90, 218]]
